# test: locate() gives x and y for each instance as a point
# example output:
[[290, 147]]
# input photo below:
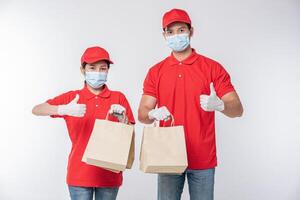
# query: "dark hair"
[[188, 25], [84, 64]]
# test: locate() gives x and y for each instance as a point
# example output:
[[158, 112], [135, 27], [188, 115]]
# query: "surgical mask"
[[178, 42], [95, 79]]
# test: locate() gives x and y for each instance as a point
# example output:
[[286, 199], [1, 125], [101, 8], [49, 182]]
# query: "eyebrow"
[[101, 65], [178, 28]]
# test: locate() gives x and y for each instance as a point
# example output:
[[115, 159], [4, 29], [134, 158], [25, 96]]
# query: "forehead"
[[176, 25], [100, 62]]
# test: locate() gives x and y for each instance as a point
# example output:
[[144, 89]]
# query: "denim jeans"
[[87, 193], [200, 182]]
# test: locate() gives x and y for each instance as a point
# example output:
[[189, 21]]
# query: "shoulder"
[[210, 63], [69, 93], [63, 98], [119, 97], [208, 60], [159, 64], [118, 94], [156, 67]]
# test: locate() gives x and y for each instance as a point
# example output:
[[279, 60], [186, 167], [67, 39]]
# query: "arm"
[[146, 105], [44, 109], [232, 105], [71, 109]]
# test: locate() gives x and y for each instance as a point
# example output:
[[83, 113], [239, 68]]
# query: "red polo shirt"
[[80, 173], [178, 86]]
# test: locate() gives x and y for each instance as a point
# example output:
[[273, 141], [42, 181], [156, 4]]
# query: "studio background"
[[258, 43]]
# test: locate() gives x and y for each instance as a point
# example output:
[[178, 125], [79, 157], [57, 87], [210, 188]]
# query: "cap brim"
[[89, 61], [176, 20]]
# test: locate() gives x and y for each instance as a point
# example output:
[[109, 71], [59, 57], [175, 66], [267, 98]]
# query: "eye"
[[169, 32], [103, 68]]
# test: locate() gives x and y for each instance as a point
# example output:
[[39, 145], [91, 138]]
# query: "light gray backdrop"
[[257, 41]]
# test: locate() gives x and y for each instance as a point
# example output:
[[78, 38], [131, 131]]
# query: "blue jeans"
[[87, 193], [201, 185]]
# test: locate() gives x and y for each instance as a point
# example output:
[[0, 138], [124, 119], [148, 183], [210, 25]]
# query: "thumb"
[[75, 100], [212, 89]]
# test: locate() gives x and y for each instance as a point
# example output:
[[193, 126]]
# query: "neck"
[[181, 55], [95, 91]]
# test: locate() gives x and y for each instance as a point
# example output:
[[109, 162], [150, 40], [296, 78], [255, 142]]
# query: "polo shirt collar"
[[105, 93], [188, 61]]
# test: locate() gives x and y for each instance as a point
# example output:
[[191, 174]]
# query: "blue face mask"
[[178, 42], [95, 79]]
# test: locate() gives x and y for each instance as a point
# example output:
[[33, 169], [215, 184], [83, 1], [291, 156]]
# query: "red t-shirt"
[[178, 86], [97, 106]]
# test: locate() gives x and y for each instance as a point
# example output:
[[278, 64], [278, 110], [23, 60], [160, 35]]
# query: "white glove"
[[211, 102], [72, 109], [118, 111], [158, 114]]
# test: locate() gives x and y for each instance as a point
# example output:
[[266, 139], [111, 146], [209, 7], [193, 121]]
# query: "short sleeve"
[[125, 104], [62, 99], [150, 84], [222, 81]]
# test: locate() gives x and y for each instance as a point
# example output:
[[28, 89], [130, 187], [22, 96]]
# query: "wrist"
[[61, 110], [221, 107], [148, 119], [150, 115], [54, 110]]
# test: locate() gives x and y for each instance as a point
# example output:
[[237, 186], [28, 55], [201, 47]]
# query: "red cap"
[[175, 15], [94, 54]]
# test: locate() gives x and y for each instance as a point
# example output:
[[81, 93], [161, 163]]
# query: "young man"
[[191, 87], [79, 109]]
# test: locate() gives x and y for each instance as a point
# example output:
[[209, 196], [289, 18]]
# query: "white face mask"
[[178, 42], [95, 79]]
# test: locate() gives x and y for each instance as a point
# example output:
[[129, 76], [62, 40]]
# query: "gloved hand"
[[211, 102], [118, 111], [72, 109], [158, 114]]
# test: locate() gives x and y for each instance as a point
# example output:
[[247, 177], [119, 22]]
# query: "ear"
[[191, 32], [164, 34], [82, 70]]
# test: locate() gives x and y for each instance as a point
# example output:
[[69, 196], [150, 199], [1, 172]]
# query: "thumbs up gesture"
[[72, 109], [211, 102]]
